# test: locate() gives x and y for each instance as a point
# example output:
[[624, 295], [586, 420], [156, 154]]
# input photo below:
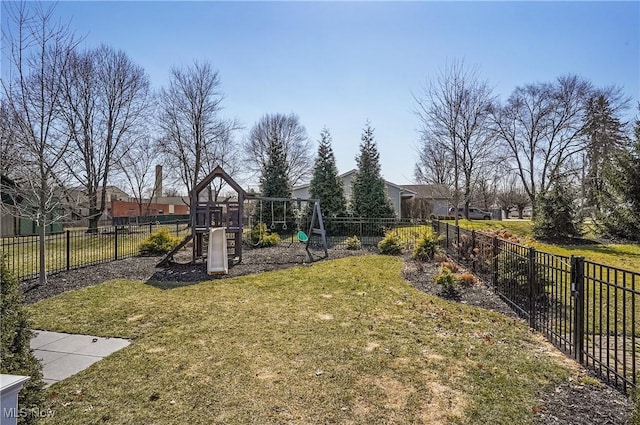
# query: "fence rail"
[[77, 248], [586, 309]]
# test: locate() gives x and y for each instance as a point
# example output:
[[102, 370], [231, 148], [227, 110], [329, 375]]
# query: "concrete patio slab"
[[63, 355]]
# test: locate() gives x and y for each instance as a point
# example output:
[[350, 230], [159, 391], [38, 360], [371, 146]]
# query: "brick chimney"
[[158, 192]]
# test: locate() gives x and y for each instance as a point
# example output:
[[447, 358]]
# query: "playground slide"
[[217, 254]]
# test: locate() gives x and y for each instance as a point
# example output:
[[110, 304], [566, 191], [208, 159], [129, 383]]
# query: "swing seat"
[[302, 236]]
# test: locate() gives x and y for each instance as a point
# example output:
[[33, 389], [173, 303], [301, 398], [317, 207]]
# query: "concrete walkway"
[[63, 355]]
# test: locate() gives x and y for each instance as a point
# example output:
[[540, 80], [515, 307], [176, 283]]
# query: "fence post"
[[473, 250], [68, 249], [458, 244], [446, 239], [494, 261], [577, 291], [177, 228], [531, 280], [116, 244]]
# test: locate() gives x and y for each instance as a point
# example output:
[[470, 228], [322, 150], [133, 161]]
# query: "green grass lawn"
[[625, 256], [341, 341]]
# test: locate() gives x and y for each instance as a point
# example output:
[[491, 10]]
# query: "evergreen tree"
[[274, 183], [556, 216], [622, 208], [368, 197], [325, 183], [16, 357], [605, 138]]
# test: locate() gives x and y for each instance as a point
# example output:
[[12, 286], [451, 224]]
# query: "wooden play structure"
[[227, 217]]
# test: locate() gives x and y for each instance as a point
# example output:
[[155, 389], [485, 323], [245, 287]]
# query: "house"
[[11, 221], [396, 193], [130, 209], [429, 199]]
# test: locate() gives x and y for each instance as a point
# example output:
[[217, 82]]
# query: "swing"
[[302, 236], [284, 218], [261, 234]]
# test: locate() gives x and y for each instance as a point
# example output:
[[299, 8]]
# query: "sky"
[[338, 64]]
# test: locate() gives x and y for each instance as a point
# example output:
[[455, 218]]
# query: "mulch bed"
[[570, 403]]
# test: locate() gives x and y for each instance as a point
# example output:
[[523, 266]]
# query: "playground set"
[[220, 224]]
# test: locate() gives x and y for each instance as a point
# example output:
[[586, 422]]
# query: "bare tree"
[[136, 167], [105, 101], [194, 136], [454, 112], [9, 146], [288, 130], [540, 126], [37, 49], [434, 164]]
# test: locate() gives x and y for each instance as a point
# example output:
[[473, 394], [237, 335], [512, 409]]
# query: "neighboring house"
[[429, 199], [396, 193], [131, 208], [78, 197], [11, 223]]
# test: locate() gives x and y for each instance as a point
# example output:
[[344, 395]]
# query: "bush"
[[451, 266], [447, 280], [556, 217], [467, 279], [158, 243], [16, 357], [261, 237], [390, 244], [353, 243], [440, 257], [427, 246]]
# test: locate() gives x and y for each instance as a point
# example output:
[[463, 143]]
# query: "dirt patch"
[[421, 276]]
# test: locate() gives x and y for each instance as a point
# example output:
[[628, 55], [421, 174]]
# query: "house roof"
[[353, 171], [429, 191]]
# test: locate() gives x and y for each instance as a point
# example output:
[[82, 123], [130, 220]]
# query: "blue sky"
[[341, 63]]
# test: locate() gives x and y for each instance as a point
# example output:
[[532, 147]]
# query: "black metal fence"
[[586, 309], [371, 231], [77, 248]]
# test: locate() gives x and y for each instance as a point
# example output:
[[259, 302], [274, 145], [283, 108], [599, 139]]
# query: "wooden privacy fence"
[[586, 309]]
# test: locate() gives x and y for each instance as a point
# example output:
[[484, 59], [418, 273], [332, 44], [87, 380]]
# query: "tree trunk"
[[94, 219], [42, 234]]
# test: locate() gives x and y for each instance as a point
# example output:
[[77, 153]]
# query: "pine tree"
[[605, 138], [556, 216], [368, 197], [16, 357], [621, 216], [274, 183], [325, 183]]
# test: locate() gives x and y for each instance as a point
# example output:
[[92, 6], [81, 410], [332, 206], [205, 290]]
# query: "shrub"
[[353, 243], [451, 266], [467, 279], [390, 244], [16, 357], [158, 243], [440, 257], [447, 280], [556, 217], [261, 237], [427, 246]]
